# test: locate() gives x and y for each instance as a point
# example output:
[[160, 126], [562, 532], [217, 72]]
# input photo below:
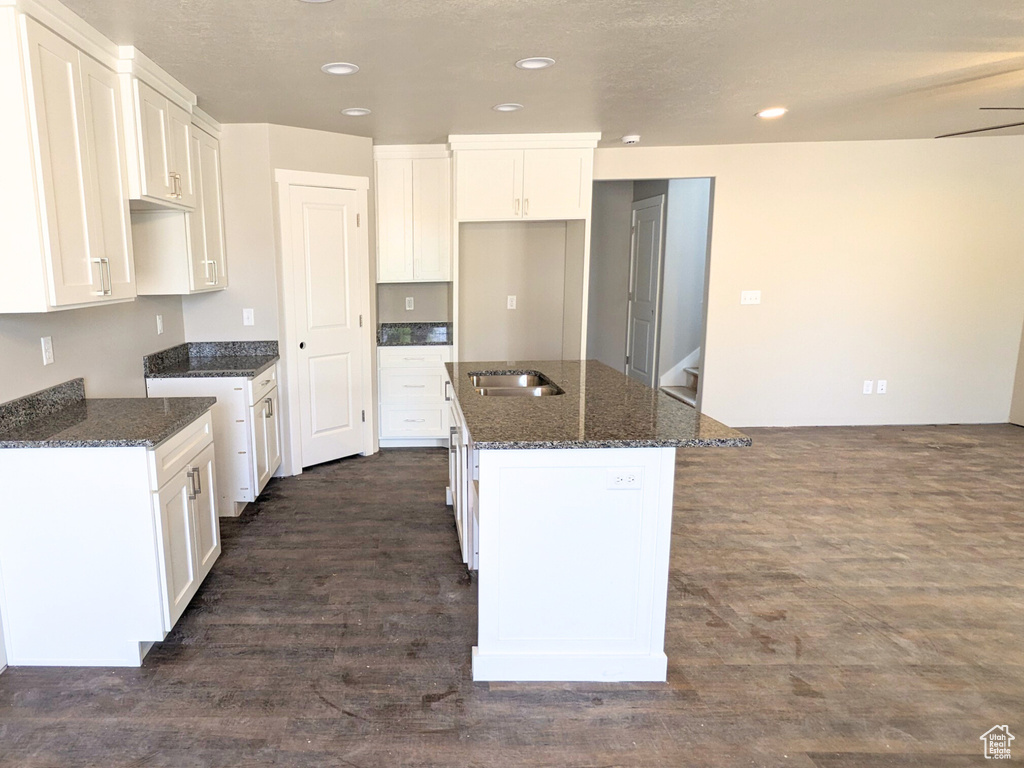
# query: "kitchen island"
[[564, 503]]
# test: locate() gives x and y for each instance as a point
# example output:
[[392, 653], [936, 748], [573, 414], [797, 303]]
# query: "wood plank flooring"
[[839, 598]]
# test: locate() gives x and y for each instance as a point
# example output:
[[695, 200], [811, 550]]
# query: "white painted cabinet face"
[[515, 184], [208, 257], [164, 165], [266, 439], [414, 227], [83, 205], [177, 545], [205, 506]]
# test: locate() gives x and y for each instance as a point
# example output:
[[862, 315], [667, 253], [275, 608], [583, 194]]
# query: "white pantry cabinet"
[[64, 197], [413, 407], [247, 421], [414, 220], [184, 252], [101, 549], [514, 184]]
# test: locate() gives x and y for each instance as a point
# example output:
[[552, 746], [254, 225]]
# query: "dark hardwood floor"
[[838, 598]]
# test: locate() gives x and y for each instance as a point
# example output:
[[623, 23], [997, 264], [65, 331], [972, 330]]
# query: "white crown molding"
[[203, 121], [70, 26], [408, 151], [132, 61], [524, 141]]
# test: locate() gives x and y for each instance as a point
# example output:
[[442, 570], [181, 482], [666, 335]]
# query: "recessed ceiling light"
[[509, 107], [535, 62], [355, 111], [340, 68], [772, 112]]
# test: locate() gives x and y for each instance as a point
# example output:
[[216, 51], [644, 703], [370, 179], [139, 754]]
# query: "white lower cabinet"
[[101, 549], [463, 489], [413, 410], [248, 425]]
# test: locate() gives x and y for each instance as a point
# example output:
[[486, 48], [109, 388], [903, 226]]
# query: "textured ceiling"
[[675, 72]]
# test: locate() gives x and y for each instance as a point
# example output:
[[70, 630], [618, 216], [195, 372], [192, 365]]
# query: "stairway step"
[[686, 395], [695, 371]]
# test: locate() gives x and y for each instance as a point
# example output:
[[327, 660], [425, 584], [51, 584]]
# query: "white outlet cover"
[[47, 344], [248, 316], [511, 302], [750, 297], [159, 324], [410, 302], [882, 387]]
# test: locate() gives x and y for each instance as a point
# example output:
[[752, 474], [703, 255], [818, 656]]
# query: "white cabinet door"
[[273, 431], [488, 184], [260, 455], [65, 184], [432, 219], [205, 510], [154, 144], [394, 220], [176, 529], [108, 217], [209, 251], [179, 132], [556, 183]]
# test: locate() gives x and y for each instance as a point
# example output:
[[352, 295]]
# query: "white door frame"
[[657, 201], [291, 461]]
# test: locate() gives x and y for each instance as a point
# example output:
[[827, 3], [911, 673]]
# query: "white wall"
[[609, 273], [249, 155], [432, 302], [897, 260], [3, 648], [104, 345], [686, 243]]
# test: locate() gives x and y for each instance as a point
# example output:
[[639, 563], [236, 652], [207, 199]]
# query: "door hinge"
[[360, 321], [364, 416], [357, 220], [627, 359]]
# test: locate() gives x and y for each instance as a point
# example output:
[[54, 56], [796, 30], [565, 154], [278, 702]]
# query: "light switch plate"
[[159, 324], [47, 343], [410, 302], [511, 302], [750, 297], [248, 316], [869, 386]]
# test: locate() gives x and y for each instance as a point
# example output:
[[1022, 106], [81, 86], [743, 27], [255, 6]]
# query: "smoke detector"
[[631, 139]]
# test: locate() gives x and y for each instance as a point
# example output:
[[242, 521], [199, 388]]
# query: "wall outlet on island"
[[410, 302]]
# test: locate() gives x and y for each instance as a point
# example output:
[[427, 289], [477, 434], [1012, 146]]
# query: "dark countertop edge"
[[241, 373], [495, 445]]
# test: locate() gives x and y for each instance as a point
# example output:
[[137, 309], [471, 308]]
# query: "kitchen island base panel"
[[573, 563], [569, 668]]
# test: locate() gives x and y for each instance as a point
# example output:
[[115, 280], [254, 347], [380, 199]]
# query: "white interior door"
[[329, 270], [645, 260]]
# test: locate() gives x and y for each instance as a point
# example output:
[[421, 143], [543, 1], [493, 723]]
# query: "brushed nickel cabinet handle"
[[517, 206], [526, 207], [414, 386], [415, 421], [270, 408], [191, 490]]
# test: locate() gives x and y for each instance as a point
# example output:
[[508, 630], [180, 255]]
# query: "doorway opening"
[[651, 243]]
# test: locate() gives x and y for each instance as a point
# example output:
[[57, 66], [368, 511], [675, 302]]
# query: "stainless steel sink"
[[529, 384]]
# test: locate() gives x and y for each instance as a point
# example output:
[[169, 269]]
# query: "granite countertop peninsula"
[[600, 408], [204, 359], [62, 417], [414, 334]]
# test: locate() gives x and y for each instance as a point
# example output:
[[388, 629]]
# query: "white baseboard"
[[569, 667], [413, 442]]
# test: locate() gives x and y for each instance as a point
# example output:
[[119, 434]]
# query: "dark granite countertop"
[[601, 408], [414, 334], [244, 359], [108, 423]]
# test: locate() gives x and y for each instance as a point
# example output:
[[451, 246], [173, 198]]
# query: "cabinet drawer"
[[260, 386], [414, 357], [421, 422], [172, 455], [400, 385]]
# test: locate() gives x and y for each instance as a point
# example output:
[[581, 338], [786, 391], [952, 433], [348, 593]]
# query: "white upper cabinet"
[[184, 252], [414, 220], [549, 178], [161, 169], [63, 202]]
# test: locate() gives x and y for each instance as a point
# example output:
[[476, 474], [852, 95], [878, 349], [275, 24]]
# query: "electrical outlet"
[[511, 302], [883, 385], [47, 343], [869, 386], [159, 324], [625, 479], [750, 297], [410, 302], [248, 317]]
